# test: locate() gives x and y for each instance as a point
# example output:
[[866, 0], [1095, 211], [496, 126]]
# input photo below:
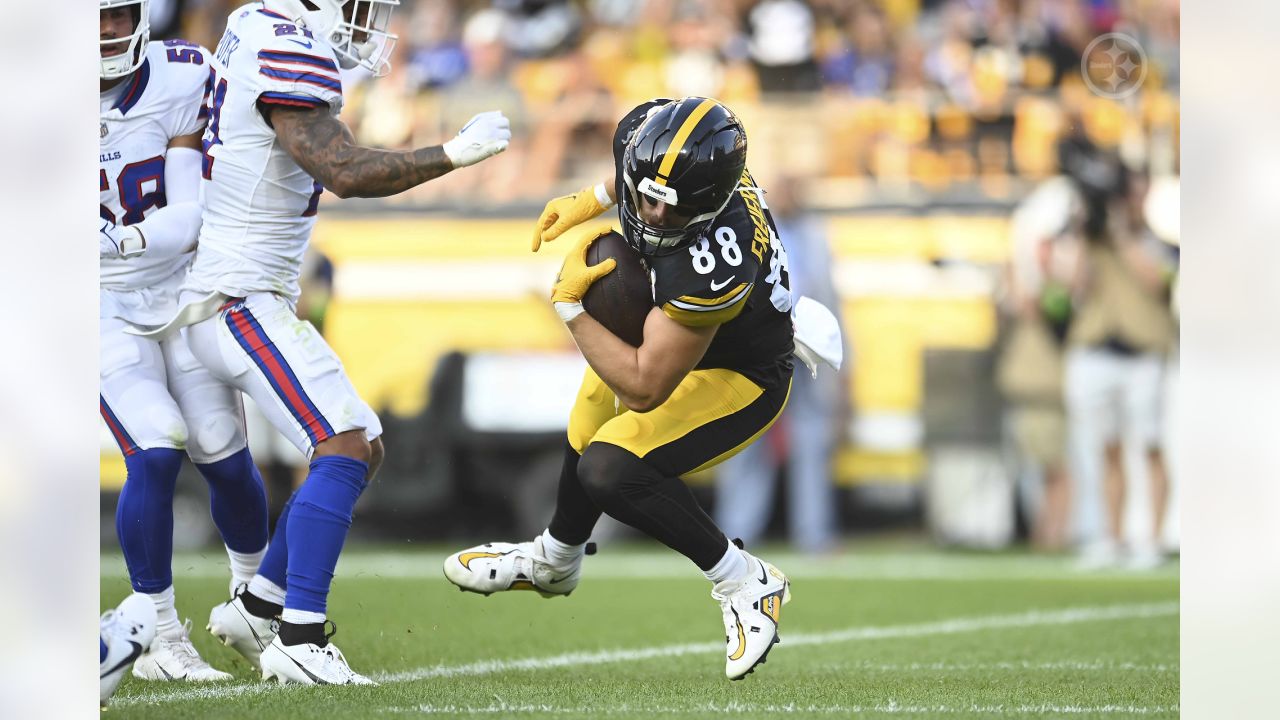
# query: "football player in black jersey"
[[711, 375]]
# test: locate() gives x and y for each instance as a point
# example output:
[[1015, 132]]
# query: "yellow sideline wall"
[[408, 290]]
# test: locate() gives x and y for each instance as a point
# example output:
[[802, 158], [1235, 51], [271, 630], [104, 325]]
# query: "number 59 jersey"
[[161, 100], [259, 205]]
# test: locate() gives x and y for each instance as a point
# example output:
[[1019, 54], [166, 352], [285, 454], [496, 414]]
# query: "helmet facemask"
[[358, 30], [654, 240], [133, 47]]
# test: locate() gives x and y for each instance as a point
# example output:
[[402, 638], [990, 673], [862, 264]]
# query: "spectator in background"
[[487, 84], [780, 42], [816, 417], [1120, 336], [436, 57], [541, 28], [1029, 372], [865, 62]]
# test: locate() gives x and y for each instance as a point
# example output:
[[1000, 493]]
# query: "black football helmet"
[[690, 154]]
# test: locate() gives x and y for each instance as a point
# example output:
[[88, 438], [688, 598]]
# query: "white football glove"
[[118, 241], [485, 135]]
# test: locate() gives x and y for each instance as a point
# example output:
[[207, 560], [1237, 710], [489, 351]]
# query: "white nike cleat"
[[309, 664], [241, 630], [494, 567], [175, 658], [751, 607], [127, 632]]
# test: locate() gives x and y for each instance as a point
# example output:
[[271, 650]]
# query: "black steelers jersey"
[[734, 276]]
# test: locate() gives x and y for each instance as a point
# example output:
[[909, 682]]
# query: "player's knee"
[[214, 438], [602, 469], [352, 444], [167, 427]]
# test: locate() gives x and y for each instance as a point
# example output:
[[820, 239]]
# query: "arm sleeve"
[[172, 230], [299, 72]]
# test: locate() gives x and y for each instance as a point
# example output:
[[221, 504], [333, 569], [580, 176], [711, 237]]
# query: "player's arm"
[[171, 230], [324, 146], [644, 377]]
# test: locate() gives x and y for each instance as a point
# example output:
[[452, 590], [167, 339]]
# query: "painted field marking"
[[754, 710], [669, 566], [1032, 618]]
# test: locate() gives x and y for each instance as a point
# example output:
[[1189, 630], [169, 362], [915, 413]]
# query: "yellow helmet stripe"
[[677, 142]]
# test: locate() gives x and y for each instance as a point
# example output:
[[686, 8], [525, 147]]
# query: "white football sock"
[[301, 617], [244, 565], [559, 554], [167, 623], [264, 589], [732, 566]]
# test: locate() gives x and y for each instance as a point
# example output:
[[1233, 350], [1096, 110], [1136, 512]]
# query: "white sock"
[[732, 566], [560, 554], [264, 589], [244, 565], [301, 617], [167, 623]]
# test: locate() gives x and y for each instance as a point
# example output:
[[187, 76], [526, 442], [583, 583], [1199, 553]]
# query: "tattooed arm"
[[324, 146]]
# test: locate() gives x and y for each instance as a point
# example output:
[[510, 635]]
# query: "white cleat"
[[175, 658], [751, 607], [127, 632], [309, 664], [241, 630], [495, 567]]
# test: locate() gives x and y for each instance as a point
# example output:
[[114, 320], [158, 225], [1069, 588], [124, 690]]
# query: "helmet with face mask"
[[689, 154], [132, 48], [357, 29]]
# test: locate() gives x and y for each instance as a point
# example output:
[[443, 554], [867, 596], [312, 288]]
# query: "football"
[[622, 299]]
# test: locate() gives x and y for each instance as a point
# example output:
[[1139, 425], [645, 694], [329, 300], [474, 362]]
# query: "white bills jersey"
[[259, 205], [163, 99]]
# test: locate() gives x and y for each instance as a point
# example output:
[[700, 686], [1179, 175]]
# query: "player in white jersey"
[[156, 399], [273, 140]]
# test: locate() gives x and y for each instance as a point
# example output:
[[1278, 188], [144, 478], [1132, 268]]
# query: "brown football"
[[622, 299]]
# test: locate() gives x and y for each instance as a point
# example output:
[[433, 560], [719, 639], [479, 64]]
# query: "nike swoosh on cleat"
[[133, 655], [742, 638], [167, 676], [466, 558], [310, 674], [764, 576]]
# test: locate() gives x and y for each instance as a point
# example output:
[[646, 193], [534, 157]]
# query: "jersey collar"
[[133, 91]]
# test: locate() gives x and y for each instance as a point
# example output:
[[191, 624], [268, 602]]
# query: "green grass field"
[[880, 631]]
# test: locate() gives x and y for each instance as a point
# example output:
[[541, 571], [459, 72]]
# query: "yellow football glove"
[[576, 276], [565, 212]]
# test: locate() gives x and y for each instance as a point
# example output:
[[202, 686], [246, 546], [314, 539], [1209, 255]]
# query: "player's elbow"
[[341, 186], [644, 400]]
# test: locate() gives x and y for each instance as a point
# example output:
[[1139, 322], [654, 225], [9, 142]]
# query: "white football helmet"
[[357, 29], [133, 48]]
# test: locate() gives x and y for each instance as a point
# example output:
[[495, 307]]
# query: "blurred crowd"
[[936, 95]]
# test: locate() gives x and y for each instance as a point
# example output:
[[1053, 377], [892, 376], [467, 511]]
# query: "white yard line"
[[754, 710], [1033, 618], [669, 566]]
